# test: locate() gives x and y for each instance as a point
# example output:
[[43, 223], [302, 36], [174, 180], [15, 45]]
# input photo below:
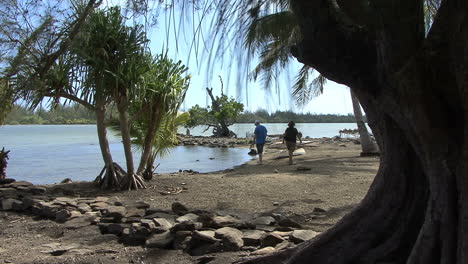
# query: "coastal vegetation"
[[221, 114]]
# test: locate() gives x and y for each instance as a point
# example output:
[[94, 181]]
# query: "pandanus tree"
[[271, 36], [156, 107], [113, 61]]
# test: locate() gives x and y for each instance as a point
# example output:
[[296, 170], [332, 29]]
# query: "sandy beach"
[[330, 178]]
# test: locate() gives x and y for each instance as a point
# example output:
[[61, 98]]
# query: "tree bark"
[[126, 138], [367, 145], [413, 88], [149, 138]]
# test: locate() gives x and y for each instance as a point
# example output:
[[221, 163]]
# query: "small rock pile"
[[197, 232], [213, 142]]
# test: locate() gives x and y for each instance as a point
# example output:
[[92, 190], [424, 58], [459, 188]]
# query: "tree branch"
[[51, 58], [73, 98], [340, 51]]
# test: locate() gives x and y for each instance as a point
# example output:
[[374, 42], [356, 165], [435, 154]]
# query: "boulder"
[[264, 251], [132, 211], [7, 204], [299, 236], [263, 220], [163, 240], [287, 222], [252, 237], [187, 226], [271, 240], [179, 209], [182, 240], [148, 224], [231, 237], [117, 212], [62, 216], [116, 229], [162, 225], [226, 221], [187, 218]]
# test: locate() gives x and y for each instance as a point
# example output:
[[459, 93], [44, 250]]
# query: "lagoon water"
[[44, 154]]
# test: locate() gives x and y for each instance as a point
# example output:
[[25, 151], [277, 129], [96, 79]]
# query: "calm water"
[[51, 153], [313, 130]]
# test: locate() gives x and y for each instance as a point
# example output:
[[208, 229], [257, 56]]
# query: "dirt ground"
[[331, 176]]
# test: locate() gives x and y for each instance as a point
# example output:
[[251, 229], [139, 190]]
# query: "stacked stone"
[[197, 232]]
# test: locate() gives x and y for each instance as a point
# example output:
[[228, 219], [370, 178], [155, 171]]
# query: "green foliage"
[[286, 116], [229, 110], [71, 114]]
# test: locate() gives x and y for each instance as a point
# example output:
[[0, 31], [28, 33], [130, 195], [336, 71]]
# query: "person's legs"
[[260, 153], [291, 147]]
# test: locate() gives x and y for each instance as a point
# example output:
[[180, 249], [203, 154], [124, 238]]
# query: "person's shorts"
[[291, 145], [259, 148]]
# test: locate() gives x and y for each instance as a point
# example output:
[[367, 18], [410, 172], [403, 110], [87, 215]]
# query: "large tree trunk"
[[369, 148], [413, 88]]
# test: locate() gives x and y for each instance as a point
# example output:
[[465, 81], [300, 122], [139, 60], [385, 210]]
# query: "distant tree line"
[[286, 116], [68, 114]]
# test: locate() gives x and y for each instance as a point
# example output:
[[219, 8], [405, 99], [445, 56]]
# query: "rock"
[[117, 212], [168, 217], [252, 237], [275, 204], [101, 199], [299, 236], [7, 204], [131, 219], [319, 210], [276, 171], [187, 218], [78, 222], [266, 228], [116, 229], [162, 225], [163, 240], [19, 206], [182, 240], [99, 206], [228, 220], [8, 192], [62, 216], [289, 223], [148, 224], [37, 190], [187, 226], [17, 184], [179, 209], [231, 237], [264, 251], [303, 169], [66, 180], [139, 230], [271, 240], [84, 208], [204, 236], [283, 245], [131, 211], [263, 220], [204, 259], [6, 181]]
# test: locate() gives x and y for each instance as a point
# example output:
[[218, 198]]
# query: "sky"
[[334, 100]]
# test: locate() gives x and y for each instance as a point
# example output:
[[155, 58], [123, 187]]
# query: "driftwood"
[[3, 163]]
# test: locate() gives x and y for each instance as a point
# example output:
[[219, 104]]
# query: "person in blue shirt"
[[260, 134]]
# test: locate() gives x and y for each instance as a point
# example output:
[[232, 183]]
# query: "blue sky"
[[334, 100]]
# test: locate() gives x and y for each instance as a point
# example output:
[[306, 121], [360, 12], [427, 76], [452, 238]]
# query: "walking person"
[[290, 136], [260, 134]]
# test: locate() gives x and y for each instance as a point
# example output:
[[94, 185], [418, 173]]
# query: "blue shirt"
[[260, 134]]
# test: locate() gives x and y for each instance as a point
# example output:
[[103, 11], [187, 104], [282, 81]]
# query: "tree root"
[[110, 177], [275, 258], [133, 182]]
